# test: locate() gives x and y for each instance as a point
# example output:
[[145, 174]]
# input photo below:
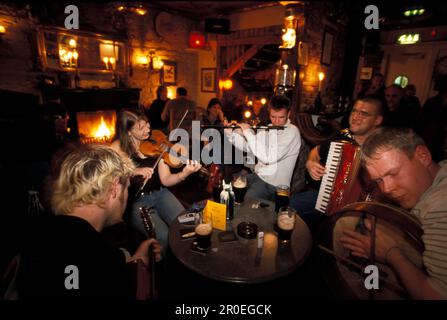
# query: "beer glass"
[[204, 230], [217, 189], [281, 197], [239, 189], [286, 223]]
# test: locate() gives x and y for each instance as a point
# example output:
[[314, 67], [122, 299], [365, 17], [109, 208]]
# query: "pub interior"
[[69, 73]]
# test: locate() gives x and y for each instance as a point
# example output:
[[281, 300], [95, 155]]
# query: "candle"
[[320, 78]]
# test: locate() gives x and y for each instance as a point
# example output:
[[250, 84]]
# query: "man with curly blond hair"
[[65, 256]]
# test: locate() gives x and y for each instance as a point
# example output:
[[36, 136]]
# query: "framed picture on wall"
[[169, 73], [366, 73], [208, 80], [326, 52]]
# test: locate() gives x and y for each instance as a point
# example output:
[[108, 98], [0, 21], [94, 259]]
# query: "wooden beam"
[[239, 63], [263, 60], [264, 40]]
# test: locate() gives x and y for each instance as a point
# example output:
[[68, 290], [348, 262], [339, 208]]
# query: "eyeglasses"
[[362, 114]]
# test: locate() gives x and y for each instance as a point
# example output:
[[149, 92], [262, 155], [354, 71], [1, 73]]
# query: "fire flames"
[[103, 131], [96, 127]]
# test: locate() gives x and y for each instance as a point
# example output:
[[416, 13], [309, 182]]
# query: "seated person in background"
[[376, 87], [276, 150], [90, 193], [133, 128], [258, 113], [233, 109], [412, 100], [401, 164], [214, 114], [156, 109], [399, 113], [433, 121], [366, 115]]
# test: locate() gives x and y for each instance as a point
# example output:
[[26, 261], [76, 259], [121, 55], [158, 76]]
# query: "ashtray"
[[247, 230]]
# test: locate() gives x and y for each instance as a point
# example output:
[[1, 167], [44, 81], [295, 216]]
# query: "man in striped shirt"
[[401, 164]]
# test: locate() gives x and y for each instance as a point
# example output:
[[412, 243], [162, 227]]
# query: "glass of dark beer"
[[204, 231], [217, 189], [281, 197], [239, 189], [286, 223]]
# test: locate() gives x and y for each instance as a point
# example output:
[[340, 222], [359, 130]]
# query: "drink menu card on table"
[[217, 213]]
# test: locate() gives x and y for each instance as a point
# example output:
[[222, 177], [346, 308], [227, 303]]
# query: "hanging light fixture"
[[294, 10], [284, 78]]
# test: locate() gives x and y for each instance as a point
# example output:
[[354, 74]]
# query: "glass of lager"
[[281, 197], [286, 223]]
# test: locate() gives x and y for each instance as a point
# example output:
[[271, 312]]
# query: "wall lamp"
[[150, 61], [132, 8]]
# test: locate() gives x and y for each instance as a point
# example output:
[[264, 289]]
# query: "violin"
[[174, 155]]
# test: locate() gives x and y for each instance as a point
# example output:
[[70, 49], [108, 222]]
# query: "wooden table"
[[241, 261]]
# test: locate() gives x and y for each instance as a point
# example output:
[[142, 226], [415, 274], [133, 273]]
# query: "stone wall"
[[316, 24], [20, 65], [163, 33]]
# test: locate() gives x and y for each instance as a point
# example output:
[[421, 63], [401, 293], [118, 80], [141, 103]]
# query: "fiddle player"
[[90, 193], [132, 128], [402, 165], [276, 150], [366, 115]]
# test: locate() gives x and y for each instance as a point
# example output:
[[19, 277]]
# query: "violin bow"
[[162, 153]]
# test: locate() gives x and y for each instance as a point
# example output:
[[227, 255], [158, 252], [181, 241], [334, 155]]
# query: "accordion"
[[342, 183]]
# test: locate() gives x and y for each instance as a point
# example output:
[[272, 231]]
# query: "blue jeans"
[[167, 207], [304, 203], [257, 188]]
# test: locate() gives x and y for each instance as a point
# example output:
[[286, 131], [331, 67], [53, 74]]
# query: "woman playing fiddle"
[[132, 130]]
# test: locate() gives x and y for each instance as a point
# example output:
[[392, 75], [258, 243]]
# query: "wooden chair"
[[308, 131]]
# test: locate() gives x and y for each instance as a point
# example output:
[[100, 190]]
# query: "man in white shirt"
[[276, 150]]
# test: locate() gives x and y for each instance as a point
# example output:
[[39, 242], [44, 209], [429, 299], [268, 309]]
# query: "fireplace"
[[97, 126], [93, 112]]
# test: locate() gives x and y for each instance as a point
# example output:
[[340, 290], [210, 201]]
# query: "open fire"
[[96, 127]]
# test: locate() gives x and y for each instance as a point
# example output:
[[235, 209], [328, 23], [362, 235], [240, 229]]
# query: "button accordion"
[[342, 183]]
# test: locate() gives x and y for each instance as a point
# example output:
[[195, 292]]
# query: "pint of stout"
[[203, 235], [217, 189], [281, 197], [286, 223], [240, 189]]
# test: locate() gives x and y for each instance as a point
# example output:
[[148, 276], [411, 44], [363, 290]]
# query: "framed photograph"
[[366, 73], [208, 79], [326, 52], [169, 73]]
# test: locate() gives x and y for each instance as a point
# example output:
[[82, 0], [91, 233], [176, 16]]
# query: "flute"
[[233, 126]]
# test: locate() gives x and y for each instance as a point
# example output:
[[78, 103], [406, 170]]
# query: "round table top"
[[241, 261]]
